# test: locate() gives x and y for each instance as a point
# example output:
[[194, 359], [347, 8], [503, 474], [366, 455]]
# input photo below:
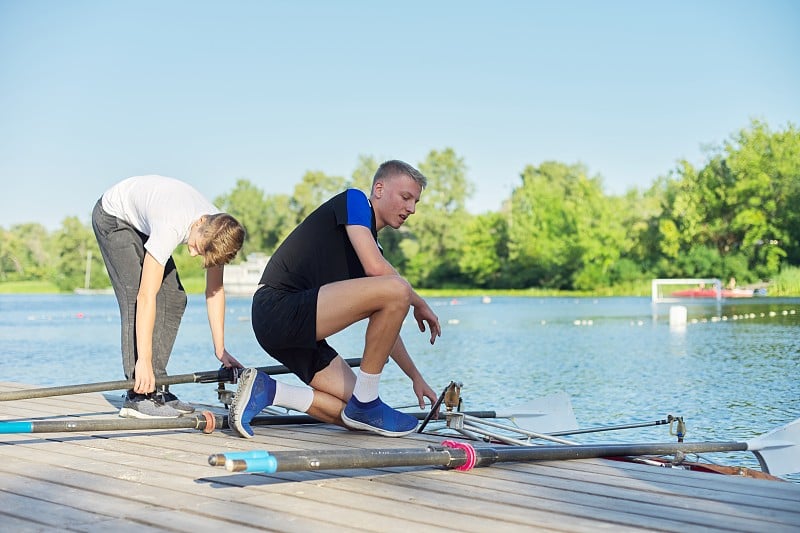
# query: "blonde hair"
[[222, 237], [395, 167]]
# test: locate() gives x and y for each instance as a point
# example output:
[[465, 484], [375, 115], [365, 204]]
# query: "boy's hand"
[[144, 381], [229, 361]]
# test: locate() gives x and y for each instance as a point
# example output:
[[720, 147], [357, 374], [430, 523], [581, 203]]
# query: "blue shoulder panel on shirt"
[[358, 209]]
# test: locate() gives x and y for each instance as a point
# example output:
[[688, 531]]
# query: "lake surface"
[[732, 373]]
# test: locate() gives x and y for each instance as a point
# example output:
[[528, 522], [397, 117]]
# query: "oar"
[[778, 452], [205, 421], [225, 375]]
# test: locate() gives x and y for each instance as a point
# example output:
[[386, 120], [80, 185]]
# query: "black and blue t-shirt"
[[318, 251]]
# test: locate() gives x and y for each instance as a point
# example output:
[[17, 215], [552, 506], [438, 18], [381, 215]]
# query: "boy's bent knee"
[[399, 291]]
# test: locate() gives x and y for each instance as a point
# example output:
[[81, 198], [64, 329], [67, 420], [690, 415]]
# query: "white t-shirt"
[[160, 207]]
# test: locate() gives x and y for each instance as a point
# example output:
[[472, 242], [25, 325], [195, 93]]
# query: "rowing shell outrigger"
[[778, 452]]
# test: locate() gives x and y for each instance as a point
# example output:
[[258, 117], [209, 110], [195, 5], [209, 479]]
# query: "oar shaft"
[[224, 375], [484, 456], [200, 421], [591, 451], [25, 394]]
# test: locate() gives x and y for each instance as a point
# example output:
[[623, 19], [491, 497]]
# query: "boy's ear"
[[378, 189]]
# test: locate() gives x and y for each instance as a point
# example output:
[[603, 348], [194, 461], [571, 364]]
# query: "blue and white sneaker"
[[255, 392], [378, 417]]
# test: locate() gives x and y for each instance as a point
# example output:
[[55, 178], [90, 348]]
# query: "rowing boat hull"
[[711, 293], [740, 471]]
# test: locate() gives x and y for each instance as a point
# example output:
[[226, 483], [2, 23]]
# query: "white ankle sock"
[[366, 388], [293, 397]]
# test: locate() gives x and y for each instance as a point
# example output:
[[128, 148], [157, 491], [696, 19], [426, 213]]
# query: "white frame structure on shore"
[[655, 283]]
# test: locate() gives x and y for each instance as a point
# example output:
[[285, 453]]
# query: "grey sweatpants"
[[123, 251]]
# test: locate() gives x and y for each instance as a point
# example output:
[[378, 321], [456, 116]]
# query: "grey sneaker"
[[170, 399], [146, 406]]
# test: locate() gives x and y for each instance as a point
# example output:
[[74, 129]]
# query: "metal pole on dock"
[[776, 451], [205, 421], [223, 375]]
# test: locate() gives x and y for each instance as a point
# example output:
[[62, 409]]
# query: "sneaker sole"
[[246, 387], [355, 424], [127, 412]]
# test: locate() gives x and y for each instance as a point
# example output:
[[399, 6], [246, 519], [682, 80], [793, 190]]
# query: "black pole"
[[280, 420], [610, 428], [223, 375], [434, 409], [457, 457], [205, 421]]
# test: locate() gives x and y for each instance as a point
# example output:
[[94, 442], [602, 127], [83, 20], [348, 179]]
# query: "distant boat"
[[87, 280], [242, 279], [712, 293]]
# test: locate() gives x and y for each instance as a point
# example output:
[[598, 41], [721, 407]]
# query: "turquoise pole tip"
[[252, 454], [16, 427]]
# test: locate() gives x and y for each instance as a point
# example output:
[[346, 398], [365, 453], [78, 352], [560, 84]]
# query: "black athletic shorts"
[[285, 324]]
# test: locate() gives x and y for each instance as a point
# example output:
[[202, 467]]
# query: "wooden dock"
[[160, 480]]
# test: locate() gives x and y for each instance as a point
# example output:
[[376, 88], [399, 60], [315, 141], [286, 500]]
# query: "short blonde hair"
[[222, 237], [395, 167]]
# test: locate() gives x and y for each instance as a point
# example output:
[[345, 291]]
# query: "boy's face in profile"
[[195, 241], [395, 199]]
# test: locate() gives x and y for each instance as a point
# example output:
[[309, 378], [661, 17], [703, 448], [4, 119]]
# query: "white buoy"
[[677, 316]]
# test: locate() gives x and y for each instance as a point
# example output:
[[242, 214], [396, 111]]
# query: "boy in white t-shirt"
[[138, 223]]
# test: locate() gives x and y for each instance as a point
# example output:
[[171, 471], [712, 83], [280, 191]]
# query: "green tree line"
[[736, 216]]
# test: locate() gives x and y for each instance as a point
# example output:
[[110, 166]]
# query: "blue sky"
[[92, 92]]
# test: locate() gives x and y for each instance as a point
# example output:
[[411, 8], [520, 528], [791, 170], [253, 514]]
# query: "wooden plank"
[[48, 513], [485, 514], [176, 485], [649, 500], [779, 495], [18, 525], [499, 511], [666, 484], [173, 498], [163, 475], [434, 516], [568, 503]]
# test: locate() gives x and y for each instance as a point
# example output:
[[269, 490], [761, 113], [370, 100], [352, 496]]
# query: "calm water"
[[732, 373]]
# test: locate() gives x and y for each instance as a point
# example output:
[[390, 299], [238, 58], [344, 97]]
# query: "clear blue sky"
[[95, 91]]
